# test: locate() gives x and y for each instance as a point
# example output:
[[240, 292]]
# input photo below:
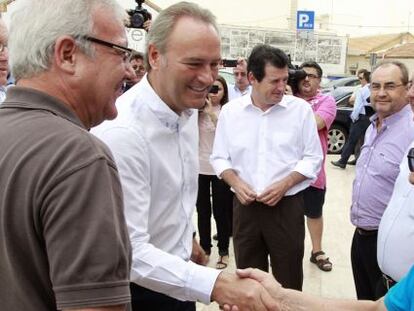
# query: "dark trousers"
[[260, 230], [356, 134], [222, 205], [143, 299], [367, 274]]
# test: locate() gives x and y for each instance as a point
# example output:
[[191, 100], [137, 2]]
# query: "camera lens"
[[137, 20]]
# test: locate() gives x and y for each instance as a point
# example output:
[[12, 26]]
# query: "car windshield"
[[227, 75]]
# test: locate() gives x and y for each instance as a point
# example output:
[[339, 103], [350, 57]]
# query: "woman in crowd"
[[208, 183]]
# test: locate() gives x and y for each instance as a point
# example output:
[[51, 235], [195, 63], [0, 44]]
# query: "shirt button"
[[365, 165]]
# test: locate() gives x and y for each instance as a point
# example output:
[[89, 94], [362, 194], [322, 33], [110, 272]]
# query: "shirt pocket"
[[384, 165], [284, 147]]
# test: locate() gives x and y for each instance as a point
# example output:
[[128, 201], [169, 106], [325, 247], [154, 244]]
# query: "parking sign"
[[305, 20]]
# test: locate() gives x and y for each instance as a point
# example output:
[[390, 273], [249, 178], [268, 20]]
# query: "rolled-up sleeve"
[[310, 164], [220, 157]]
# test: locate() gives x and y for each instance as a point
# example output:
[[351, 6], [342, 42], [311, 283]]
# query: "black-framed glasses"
[[127, 52], [139, 68], [312, 76], [410, 157]]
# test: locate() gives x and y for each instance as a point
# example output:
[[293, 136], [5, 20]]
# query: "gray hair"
[[36, 25], [163, 25], [403, 69]]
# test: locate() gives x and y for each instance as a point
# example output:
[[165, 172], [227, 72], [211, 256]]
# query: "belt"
[[366, 232], [388, 281]]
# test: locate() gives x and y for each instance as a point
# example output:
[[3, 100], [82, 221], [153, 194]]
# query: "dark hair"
[[312, 64], [362, 70], [367, 75], [225, 98], [263, 54]]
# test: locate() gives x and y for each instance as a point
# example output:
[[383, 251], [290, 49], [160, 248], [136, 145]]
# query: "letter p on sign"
[[305, 20]]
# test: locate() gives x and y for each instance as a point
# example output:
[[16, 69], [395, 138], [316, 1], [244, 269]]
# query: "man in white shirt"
[[155, 144], [242, 86], [267, 149]]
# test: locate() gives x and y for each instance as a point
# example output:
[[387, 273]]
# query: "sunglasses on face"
[[410, 157]]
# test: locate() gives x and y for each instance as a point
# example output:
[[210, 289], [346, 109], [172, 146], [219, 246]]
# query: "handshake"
[[251, 289]]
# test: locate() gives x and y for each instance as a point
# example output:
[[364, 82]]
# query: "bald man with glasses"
[[387, 138]]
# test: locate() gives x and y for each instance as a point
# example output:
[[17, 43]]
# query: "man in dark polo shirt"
[[63, 239]]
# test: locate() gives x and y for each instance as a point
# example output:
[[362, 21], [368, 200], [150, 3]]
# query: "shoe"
[[353, 162], [338, 164], [321, 261], [215, 238], [223, 262]]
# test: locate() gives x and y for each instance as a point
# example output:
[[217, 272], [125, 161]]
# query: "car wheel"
[[337, 137]]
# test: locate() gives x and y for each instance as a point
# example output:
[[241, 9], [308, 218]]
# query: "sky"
[[352, 17]]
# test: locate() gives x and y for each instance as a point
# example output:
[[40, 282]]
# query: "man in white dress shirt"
[[267, 149], [155, 144]]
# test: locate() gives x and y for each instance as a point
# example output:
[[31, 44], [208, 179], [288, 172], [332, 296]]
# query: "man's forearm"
[[295, 300], [230, 177], [293, 179]]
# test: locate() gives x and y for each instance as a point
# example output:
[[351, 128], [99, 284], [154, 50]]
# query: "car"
[[339, 131], [228, 75], [342, 82]]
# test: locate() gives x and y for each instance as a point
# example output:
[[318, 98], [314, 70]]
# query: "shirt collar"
[[28, 98], [248, 102], [244, 92], [161, 110], [315, 99], [394, 118]]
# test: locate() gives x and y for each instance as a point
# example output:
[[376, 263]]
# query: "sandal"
[[321, 261], [223, 262]]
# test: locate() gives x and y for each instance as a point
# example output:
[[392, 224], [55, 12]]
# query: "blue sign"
[[305, 20]]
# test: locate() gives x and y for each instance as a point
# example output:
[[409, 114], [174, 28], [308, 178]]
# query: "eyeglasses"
[[390, 86], [3, 47], [125, 52], [410, 157], [138, 68], [312, 76]]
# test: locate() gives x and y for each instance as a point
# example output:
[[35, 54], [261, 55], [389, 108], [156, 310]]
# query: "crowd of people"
[[98, 189]]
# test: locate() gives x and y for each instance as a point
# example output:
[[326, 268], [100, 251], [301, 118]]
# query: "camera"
[[295, 75], [214, 89], [138, 16], [229, 62]]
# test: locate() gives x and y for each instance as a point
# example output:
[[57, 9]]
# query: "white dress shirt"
[[264, 147], [156, 152], [395, 249], [234, 91]]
